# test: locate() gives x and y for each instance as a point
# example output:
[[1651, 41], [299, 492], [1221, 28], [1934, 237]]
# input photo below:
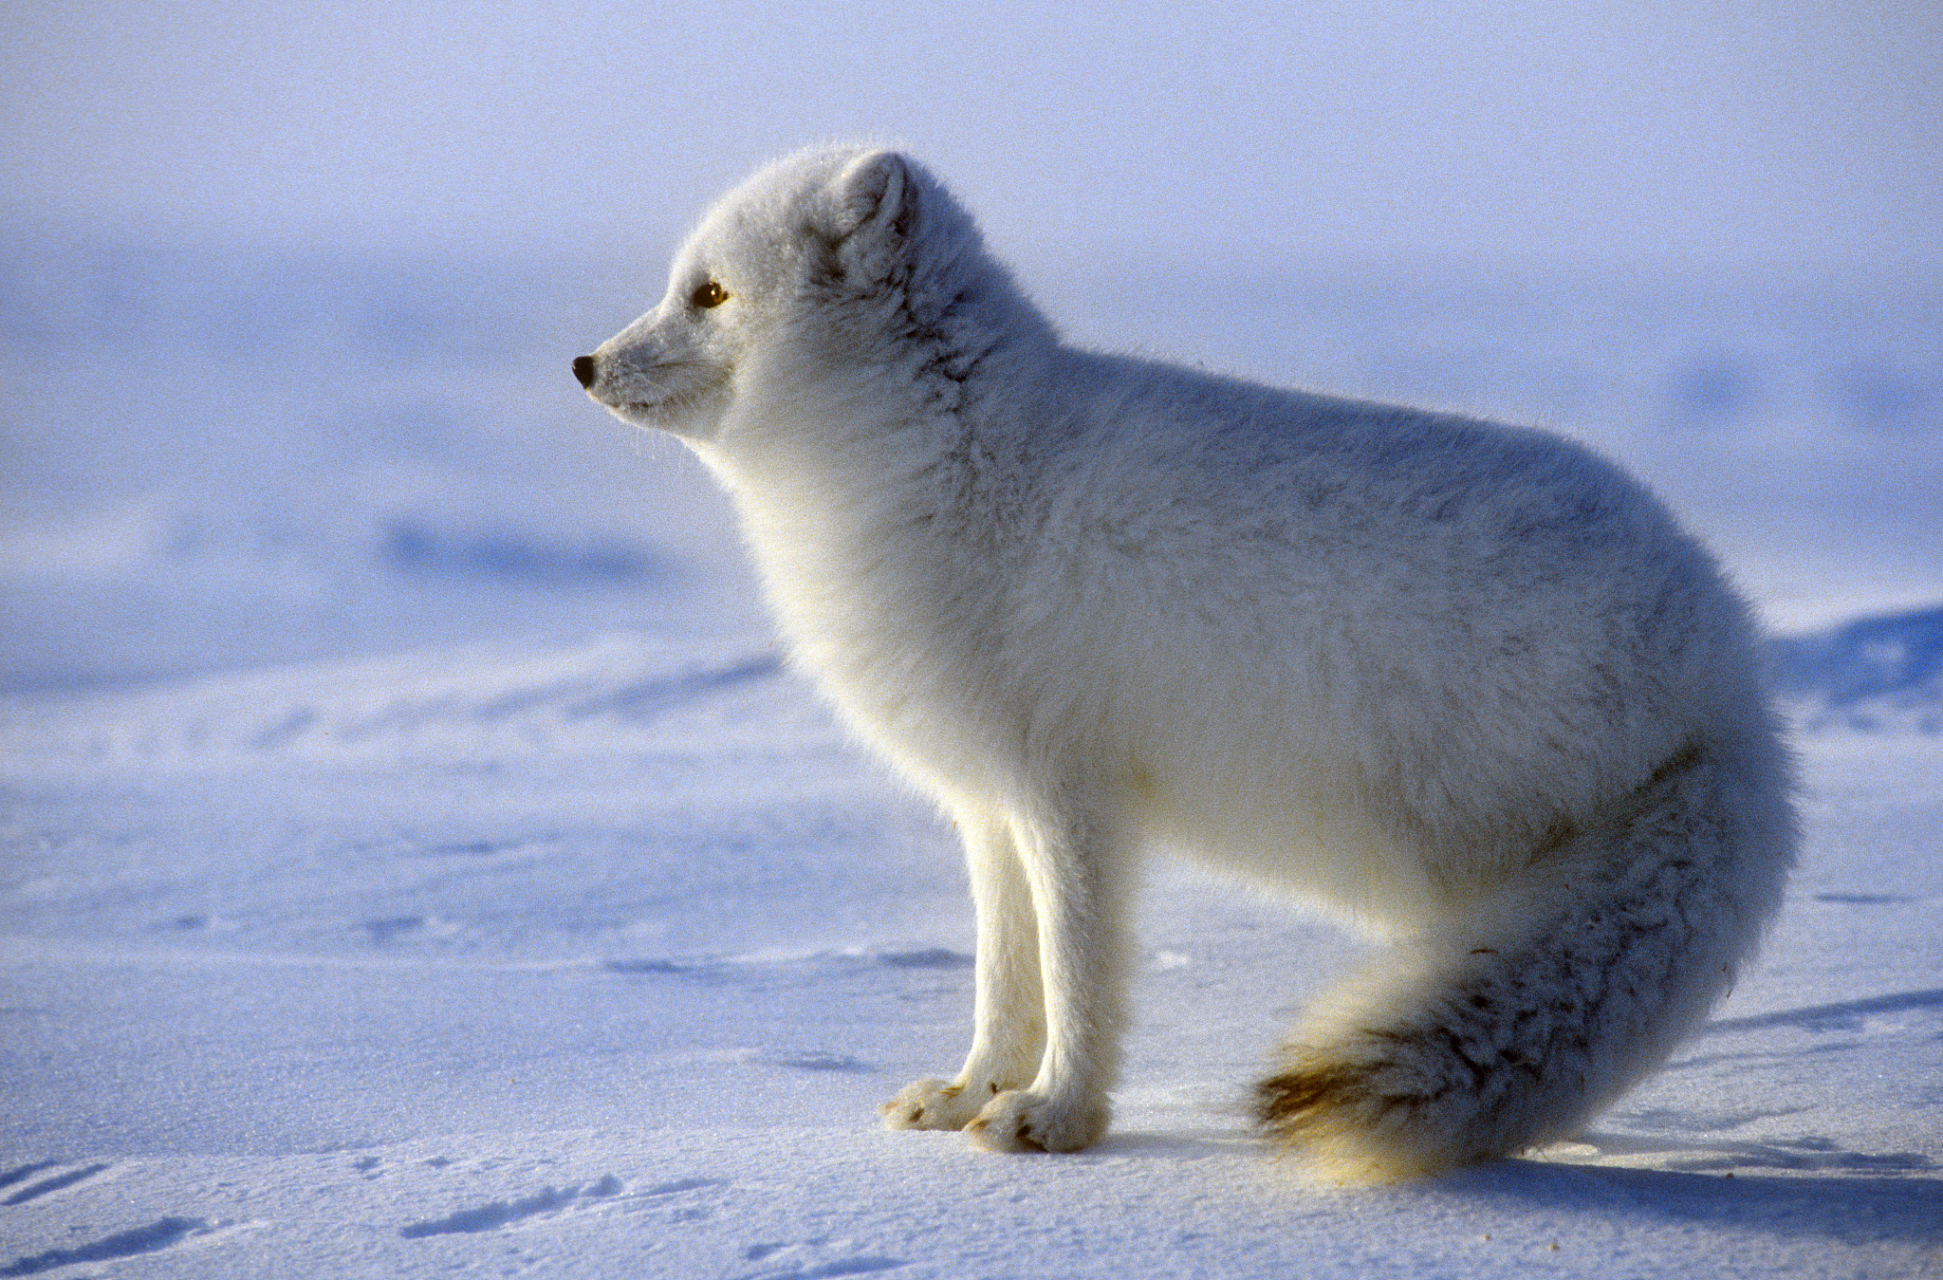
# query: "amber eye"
[[709, 294]]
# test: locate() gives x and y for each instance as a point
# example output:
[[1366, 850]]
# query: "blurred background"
[[288, 292]]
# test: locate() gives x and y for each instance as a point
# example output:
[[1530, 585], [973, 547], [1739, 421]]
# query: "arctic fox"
[[1468, 684]]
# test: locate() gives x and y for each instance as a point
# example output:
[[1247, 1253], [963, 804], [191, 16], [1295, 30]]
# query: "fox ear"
[[876, 212]]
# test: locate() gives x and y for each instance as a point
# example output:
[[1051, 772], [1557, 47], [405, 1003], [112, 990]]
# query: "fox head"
[[824, 260]]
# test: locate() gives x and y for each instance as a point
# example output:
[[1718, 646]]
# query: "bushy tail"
[[1514, 1028]]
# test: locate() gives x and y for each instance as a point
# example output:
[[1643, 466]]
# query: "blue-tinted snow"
[[414, 856]]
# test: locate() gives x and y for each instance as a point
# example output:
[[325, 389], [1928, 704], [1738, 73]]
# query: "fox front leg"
[[1076, 866], [1009, 1019]]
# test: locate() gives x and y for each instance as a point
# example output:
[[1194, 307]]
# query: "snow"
[[417, 859], [1870, 674]]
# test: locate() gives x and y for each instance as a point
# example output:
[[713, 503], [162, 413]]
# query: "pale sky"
[[1687, 130]]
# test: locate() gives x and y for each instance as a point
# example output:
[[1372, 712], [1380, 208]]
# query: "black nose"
[[585, 370]]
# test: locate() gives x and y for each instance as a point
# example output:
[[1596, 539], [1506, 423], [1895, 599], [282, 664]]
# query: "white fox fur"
[[1466, 683]]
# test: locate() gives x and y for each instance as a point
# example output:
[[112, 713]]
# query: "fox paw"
[[1022, 1121], [933, 1104]]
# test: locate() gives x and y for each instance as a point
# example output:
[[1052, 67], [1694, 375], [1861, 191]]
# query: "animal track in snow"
[[156, 1236], [26, 1171], [813, 1060], [46, 1186], [812, 966], [501, 1213], [924, 958], [808, 1261], [549, 1202]]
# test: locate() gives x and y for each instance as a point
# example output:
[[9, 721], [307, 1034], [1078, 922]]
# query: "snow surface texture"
[[416, 859]]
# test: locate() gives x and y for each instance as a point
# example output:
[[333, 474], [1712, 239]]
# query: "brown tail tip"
[[1291, 1103]]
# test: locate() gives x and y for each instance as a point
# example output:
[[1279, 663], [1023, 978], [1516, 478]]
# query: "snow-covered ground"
[[414, 858]]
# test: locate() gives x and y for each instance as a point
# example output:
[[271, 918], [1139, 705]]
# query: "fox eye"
[[708, 294]]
